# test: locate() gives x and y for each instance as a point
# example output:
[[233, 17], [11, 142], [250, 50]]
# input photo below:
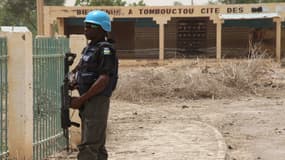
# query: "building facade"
[[179, 31]]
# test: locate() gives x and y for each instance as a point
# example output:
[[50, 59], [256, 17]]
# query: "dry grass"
[[222, 80]]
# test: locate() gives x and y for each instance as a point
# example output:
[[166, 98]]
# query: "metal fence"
[[48, 76], [3, 99]]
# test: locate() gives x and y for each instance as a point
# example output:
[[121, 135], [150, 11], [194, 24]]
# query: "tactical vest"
[[91, 65]]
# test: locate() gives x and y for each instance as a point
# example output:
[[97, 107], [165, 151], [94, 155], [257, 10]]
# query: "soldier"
[[96, 79]]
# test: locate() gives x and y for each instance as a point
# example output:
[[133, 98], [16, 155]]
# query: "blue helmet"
[[99, 17]]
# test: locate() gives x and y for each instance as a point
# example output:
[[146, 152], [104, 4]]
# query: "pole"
[[40, 26]]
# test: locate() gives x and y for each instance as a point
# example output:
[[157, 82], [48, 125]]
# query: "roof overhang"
[[249, 16]]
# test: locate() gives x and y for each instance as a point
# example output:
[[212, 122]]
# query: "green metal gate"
[[48, 75], [3, 99]]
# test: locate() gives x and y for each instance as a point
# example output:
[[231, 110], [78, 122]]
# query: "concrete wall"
[[20, 94]]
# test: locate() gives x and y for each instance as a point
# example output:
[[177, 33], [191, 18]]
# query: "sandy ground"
[[253, 127]]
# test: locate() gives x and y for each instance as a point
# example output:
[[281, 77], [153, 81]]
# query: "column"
[[278, 39], [219, 24], [40, 26], [47, 25], [20, 94], [60, 26], [161, 41], [161, 21]]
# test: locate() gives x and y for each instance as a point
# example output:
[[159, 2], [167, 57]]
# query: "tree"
[[140, 3], [213, 2], [22, 12], [19, 13], [54, 2], [100, 3], [177, 3]]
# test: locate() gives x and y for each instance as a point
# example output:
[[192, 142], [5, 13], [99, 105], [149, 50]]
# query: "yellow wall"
[[165, 35]]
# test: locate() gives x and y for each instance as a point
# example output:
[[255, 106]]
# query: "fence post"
[[20, 93]]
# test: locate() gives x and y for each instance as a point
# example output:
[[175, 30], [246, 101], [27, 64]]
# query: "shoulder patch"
[[107, 51]]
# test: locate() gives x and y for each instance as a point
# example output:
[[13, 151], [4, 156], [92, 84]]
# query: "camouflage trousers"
[[94, 116]]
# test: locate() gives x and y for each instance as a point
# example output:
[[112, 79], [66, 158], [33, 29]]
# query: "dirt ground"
[[251, 125]]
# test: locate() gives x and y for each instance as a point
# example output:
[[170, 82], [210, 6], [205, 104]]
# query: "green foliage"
[[2, 12], [19, 13], [54, 2], [140, 3], [22, 13], [247, 1], [177, 3], [212, 2], [100, 3]]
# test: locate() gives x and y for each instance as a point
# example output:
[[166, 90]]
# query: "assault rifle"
[[66, 98]]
